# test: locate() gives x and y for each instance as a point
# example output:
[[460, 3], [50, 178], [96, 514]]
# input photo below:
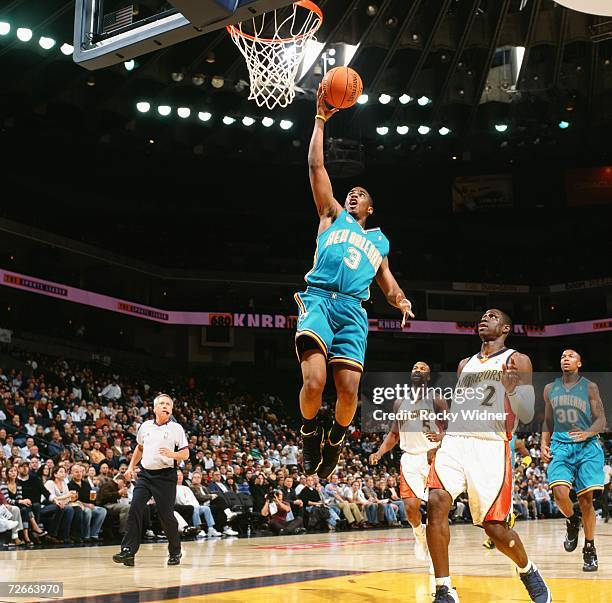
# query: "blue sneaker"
[[446, 595], [536, 587]]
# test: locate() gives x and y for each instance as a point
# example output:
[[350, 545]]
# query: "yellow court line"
[[393, 587]]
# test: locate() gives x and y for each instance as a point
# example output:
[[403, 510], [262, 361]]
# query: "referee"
[[157, 441]]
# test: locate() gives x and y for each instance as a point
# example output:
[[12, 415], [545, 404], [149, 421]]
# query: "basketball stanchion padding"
[[273, 45]]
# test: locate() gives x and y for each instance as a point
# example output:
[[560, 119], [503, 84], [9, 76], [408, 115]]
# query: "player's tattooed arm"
[[598, 413], [327, 206], [393, 292], [547, 426]]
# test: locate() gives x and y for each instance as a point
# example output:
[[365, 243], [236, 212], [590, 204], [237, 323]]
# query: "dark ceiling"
[[447, 50]]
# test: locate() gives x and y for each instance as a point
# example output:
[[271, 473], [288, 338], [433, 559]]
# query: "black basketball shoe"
[[312, 444], [536, 587], [446, 595], [571, 537], [589, 555], [125, 557], [330, 456]]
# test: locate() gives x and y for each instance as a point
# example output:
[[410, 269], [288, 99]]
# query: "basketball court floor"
[[366, 566]]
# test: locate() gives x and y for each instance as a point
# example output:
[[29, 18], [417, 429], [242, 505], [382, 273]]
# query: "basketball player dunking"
[[575, 416], [333, 325], [418, 441], [475, 456]]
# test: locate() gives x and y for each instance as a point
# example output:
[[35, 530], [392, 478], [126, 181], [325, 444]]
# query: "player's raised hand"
[[323, 108], [405, 305], [510, 376]]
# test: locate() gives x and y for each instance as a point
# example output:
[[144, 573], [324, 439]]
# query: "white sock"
[[525, 569], [446, 581], [419, 531]]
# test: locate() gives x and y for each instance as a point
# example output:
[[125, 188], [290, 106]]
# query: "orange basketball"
[[342, 86]]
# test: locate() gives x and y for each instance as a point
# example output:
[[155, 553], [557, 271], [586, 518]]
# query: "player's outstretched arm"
[[392, 291], [547, 426], [327, 206]]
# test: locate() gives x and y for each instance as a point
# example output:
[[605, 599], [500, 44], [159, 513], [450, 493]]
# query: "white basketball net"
[[273, 46]]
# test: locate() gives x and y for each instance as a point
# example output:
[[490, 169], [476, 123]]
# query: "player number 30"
[[567, 416]]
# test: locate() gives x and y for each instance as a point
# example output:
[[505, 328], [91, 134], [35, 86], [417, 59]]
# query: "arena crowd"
[[67, 432]]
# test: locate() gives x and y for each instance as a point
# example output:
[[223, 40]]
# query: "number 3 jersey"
[[480, 401], [348, 257], [571, 408]]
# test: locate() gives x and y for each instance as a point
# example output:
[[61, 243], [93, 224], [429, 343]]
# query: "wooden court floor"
[[360, 567]]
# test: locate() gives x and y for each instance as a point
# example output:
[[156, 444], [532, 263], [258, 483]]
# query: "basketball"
[[342, 86]]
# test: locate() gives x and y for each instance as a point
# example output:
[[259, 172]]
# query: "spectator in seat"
[[110, 496], [317, 511], [11, 494], [335, 500], [65, 517], [277, 510], [259, 488], [290, 497], [221, 504], [186, 496], [542, 500], [519, 504], [92, 516]]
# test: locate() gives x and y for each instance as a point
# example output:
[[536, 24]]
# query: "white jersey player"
[[418, 437], [494, 390]]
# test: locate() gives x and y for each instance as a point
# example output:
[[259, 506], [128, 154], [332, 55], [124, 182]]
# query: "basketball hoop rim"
[[307, 4]]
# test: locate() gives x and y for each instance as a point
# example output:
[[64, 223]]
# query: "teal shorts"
[[578, 464], [335, 323]]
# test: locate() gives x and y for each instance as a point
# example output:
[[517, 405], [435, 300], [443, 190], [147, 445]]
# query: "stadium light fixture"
[[183, 112], [143, 106], [403, 130], [24, 34], [501, 127], [46, 43], [424, 130], [204, 116], [384, 99], [443, 131], [405, 99], [248, 121], [227, 120], [267, 122], [423, 101], [130, 65], [66, 49], [363, 99], [5, 28], [286, 124], [382, 130], [564, 125], [164, 110]]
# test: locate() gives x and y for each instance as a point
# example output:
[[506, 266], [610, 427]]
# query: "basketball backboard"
[[107, 32]]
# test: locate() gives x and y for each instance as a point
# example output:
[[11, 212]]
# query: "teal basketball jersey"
[[571, 408], [347, 257]]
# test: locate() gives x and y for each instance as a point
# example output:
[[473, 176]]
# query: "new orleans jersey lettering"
[[348, 257]]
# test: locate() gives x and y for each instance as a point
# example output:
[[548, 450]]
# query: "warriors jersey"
[[571, 408], [415, 425], [347, 257], [480, 399]]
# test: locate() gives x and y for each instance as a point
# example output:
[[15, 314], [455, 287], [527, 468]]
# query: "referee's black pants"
[[161, 485]]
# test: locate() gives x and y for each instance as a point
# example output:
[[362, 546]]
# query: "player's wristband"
[[321, 117]]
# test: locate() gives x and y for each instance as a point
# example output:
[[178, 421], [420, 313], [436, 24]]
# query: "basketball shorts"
[[337, 323], [413, 475], [577, 464], [480, 467]]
